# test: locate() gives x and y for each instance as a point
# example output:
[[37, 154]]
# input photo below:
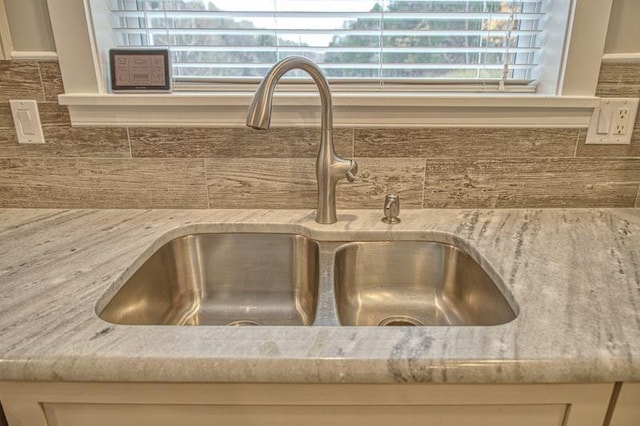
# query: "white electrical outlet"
[[612, 122], [621, 121]]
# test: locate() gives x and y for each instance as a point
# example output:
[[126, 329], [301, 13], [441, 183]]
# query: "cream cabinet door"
[[82, 404], [627, 407]]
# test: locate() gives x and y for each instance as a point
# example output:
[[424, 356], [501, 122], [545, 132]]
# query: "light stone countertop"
[[574, 274]]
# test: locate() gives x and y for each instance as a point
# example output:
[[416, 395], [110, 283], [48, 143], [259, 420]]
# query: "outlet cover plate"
[[26, 119], [608, 107]]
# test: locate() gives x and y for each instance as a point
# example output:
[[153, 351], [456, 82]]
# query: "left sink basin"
[[222, 279]]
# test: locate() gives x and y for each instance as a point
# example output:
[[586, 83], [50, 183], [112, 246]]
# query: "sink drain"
[[242, 323], [400, 321]]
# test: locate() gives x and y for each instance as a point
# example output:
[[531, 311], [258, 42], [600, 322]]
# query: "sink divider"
[[327, 309]]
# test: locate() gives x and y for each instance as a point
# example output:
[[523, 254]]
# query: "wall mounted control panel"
[[135, 70]]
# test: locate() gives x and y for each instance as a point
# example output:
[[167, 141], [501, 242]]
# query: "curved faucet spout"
[[259, 115], [329, 167]]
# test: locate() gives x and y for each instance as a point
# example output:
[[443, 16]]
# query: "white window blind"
[[494, 43]]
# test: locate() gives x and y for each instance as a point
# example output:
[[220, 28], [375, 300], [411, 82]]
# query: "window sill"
[[228, 109]]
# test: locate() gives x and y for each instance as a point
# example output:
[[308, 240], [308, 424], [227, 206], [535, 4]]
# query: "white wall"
[[30, 25], [624, 28]]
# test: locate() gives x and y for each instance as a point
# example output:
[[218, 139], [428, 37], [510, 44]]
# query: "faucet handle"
[[353, 170], [391, 209]]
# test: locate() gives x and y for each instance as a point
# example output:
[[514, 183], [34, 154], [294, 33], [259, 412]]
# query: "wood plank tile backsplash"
[[380, 176], [274, 183], [291, 183], [522, 182], [20, 80], [102, 183], [242, 168], [466, 142], [234, 142], [51, 80], [71, 142]]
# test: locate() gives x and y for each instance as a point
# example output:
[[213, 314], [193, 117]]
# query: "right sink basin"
[[405, 283]]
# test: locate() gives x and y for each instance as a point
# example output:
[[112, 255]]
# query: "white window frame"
[[563, 100]]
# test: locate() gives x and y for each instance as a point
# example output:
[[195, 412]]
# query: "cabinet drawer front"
[[288, 415]]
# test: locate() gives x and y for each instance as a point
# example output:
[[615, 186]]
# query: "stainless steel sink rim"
[[326, 314]]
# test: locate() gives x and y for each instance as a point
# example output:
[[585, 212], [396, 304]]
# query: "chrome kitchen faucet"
[[329, 167]]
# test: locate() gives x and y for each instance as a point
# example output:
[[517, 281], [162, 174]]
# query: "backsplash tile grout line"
[[475, 159], [129, 143], [575, 153], [206, 183], [494, 158], [93, 158], [44, 93], [353, 143], [424, 183]]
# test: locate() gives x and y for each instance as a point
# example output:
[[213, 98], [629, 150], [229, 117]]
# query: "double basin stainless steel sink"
[[286, 279]]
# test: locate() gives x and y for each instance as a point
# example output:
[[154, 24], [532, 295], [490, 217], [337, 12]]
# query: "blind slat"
[[462, 16], [408, 49], [339, 66], [312, 31]]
